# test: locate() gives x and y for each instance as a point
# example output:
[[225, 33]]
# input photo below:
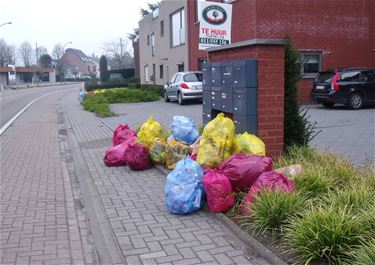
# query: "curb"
[[245, 237], [43, 85]]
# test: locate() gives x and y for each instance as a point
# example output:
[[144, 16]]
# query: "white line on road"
[[6, 125]]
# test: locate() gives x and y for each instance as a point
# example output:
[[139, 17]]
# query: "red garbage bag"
[[136, 157], [122, 133], [115, 155], [243, 169], [268, 180], [219, 191]]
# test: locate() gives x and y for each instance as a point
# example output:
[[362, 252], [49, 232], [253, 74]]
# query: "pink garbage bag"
[[243, 169], [115, 155], [268, 180], [219, 191], [136, 157], [122, 133]]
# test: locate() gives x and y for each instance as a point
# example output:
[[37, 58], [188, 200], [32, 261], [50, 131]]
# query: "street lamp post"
[[69, 42], [7, 23]]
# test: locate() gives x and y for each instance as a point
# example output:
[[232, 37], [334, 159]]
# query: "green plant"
[[271, 210], [312, 184], [363, 255], [234, 211], [357, 198], [103, 69], [297, 128], [326, 235], [367, 220], [97, 104]]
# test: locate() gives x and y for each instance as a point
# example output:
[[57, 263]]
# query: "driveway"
[[346, 132]]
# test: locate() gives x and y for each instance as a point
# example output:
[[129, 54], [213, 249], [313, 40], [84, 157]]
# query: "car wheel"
[[180, 99], [355, 101], [328, 104], [166, 98]]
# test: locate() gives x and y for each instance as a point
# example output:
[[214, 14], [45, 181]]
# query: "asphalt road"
[[12, 101], [346, 132]]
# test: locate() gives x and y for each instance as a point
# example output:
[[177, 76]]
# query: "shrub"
[[323, 235], [271, 211], [97, 104], [103, 68], [367, 220], [297, 129]]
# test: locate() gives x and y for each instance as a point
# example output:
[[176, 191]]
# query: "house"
[[11, 75], [328, 34], [77, 64]]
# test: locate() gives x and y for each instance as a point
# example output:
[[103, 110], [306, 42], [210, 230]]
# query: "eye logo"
[[214, 15]]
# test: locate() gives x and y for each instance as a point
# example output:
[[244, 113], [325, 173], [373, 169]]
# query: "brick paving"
[[42, 218], [143, 230]]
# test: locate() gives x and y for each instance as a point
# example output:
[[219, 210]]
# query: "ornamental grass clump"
[[313, 185], [324, 235], [271, 211], [363, 255]]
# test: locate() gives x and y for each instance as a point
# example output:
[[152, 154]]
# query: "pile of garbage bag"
[[213, 166]]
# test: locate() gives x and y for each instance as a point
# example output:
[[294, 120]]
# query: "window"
[[146, 73], [311, 63], [88, 68], [162, 28], [353, 76], [155, 13], [152, 44], [148, 40], [193, 77], [178, 28], [180, 67], [173, 78], [200, 62], [94, 69], [197, 9], [161, 71]]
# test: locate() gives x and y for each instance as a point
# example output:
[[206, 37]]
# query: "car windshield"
[[325, 77], [193, 77]]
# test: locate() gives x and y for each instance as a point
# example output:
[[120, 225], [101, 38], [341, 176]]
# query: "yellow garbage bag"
[[148, 132], [216, 142], [249, 144], [174, 152], [157, 151]]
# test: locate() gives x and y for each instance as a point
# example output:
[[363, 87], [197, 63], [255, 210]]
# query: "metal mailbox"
[[216, 98], [216, 74], [245, 101], [226, 75], [226, 102], [245, 74], [206, 72]]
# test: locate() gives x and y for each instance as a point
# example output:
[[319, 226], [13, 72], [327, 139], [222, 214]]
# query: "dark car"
[[354, 87]]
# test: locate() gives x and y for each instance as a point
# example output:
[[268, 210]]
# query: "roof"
[[81, 55]]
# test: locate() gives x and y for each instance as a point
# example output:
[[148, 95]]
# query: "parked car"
[[354, 87], [183, 86]]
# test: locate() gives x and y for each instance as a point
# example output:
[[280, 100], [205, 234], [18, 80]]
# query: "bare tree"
[[57, 54], [7, 53], [25, 52], [118, 51]]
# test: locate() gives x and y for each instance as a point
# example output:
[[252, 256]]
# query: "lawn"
[[100, 100]]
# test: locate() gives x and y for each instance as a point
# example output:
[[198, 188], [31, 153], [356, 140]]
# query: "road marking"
[[15, 117]]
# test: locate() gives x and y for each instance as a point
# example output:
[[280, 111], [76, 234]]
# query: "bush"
[[98, 104], [297, 129], [326, 235], [271, 211], [91, 87]]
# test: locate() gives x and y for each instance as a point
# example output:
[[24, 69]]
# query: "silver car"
[[183, 86]]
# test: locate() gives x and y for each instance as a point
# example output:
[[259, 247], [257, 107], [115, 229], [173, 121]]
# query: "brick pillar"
[[270, 56]]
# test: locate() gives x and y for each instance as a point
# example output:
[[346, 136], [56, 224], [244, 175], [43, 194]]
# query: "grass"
[[365, 254], [99, 103], [330, 215], [271, 210]]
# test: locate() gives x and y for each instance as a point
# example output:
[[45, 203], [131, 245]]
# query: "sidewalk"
[[41, 218], [40, 84], [135, 219]]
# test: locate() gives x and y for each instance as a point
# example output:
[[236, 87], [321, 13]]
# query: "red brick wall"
[[270, 90], [344, 31]]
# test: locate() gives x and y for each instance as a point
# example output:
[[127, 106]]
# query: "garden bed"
[[329, 219]]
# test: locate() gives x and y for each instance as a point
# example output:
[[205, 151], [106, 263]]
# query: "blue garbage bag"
[[81, 95], [183, 129], [183, 188]]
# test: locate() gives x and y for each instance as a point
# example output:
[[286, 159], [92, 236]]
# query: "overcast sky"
[[87, 24]]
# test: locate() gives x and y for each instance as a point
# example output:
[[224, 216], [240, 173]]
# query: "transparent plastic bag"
[[183, 130], [249, 144], [216, 142], [149, 131], [157, 151]]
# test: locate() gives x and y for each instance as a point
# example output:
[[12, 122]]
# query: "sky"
[[87, 24]]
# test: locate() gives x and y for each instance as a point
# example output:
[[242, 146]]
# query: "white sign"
[[215, 21]]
